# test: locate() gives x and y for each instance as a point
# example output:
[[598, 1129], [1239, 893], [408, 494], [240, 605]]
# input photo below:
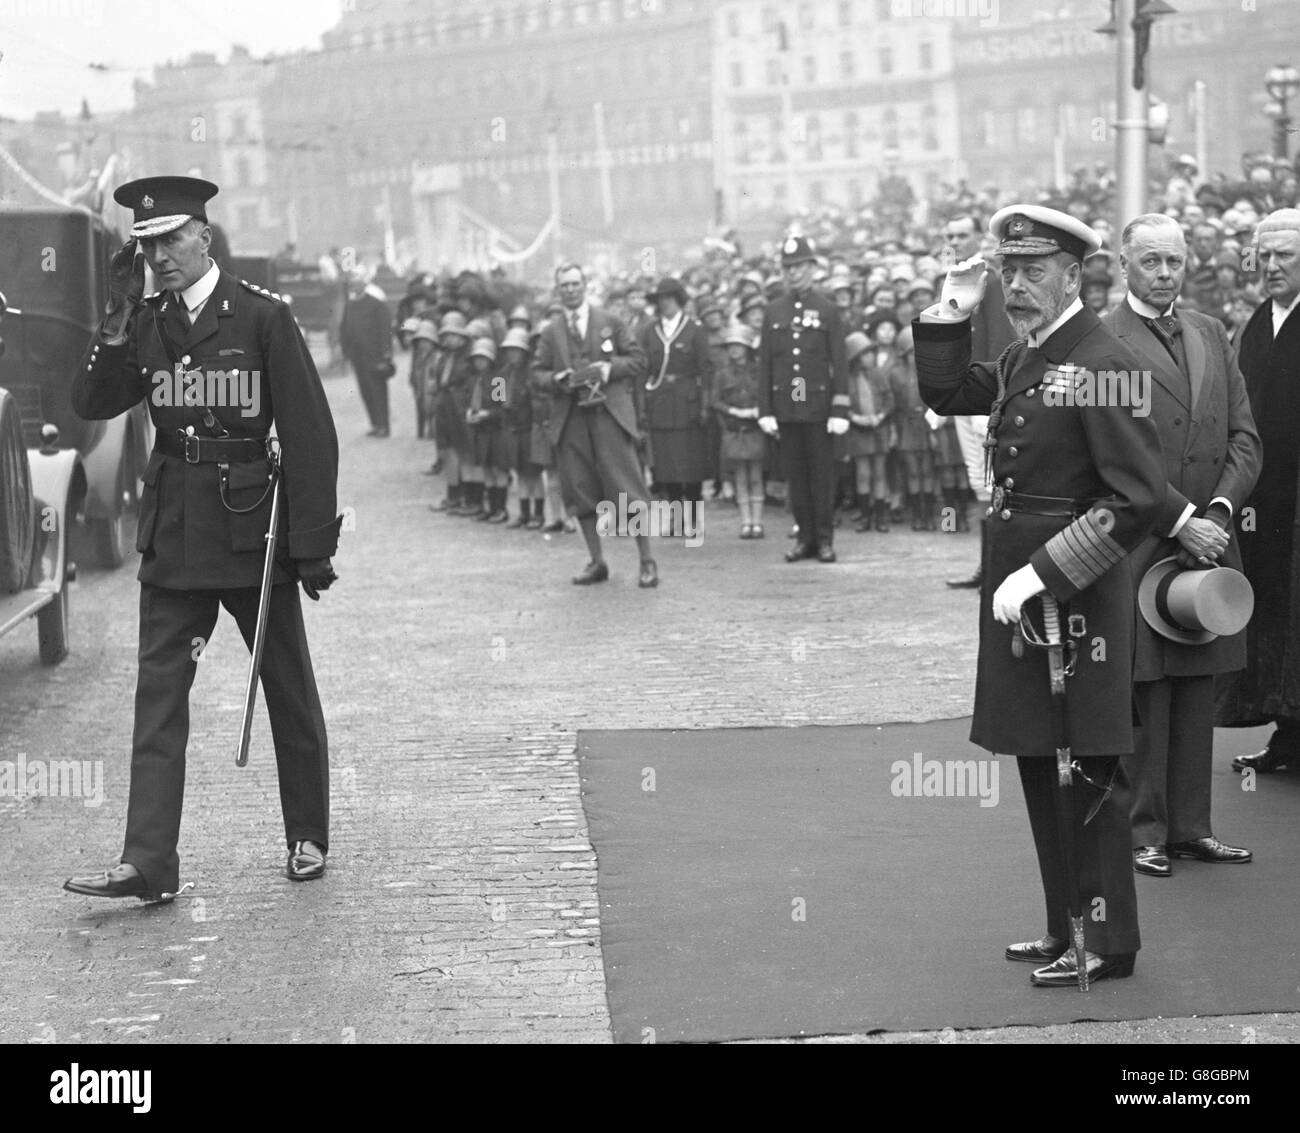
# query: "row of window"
[[811, 15], [759, 141], [851, 66], [502, 23]]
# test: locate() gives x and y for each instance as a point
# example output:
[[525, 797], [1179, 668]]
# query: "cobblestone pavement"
[[455, 663]]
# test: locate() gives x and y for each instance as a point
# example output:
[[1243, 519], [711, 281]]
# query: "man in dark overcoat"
[[1190, 385], [220, 362], [1076, 487], [1268, 689], [366, 337]]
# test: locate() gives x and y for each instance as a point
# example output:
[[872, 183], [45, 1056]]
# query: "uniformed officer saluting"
[[1075, 488], [803, 394], [204, 514]]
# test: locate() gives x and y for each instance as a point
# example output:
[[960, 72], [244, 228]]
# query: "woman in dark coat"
[[678, 395]]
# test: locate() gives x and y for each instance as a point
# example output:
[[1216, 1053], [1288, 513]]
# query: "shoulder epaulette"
[[258, 290]]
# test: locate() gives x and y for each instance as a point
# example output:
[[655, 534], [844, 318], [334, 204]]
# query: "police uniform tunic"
[[803, 381]]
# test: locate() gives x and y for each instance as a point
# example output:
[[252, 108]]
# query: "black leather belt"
[[210, 450], [1054, 507]]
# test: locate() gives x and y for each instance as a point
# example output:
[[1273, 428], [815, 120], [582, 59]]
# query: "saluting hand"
[[963, 289], [125, 289]]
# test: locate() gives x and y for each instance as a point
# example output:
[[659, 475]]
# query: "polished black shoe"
[[971, 583], [592, 572], [1036, 951], [649, 575], [825, 555], [120, 881], [1065, 973], [1209, 849], [1266, 761], [306, 862], [1152, 860], [800, 551]]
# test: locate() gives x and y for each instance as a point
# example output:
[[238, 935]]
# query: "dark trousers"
[[1104, 853], [808, 451], [170, 620], [374, 395], [1286, 736], [1170, 766]]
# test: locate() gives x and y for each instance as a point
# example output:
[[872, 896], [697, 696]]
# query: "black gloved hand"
[[125, 290], [316, 575]]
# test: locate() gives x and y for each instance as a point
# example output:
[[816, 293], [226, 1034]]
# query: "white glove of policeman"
[[837, 426], [1016, 589], [768, 425]]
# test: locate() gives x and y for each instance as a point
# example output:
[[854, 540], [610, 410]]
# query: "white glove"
[[837, 426], [963, 288], [1016, 589], [768, 425]]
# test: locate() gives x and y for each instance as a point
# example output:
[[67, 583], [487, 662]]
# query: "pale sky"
[[47, 47]]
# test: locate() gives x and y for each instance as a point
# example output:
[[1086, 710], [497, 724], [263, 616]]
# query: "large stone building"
[[817, 99], [435, 119]]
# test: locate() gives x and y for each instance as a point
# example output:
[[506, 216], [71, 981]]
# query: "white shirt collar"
[[1145, 310], [375, 292], [1280, 313], [198, 293], [1039, 337], [671, 326]]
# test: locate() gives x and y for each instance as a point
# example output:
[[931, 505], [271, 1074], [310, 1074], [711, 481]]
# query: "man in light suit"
[[1212, 453], [590, 363]]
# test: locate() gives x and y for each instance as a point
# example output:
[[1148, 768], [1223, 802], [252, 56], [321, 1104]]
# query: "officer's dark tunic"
[[198, 555], [803, 380], [1107, 462]]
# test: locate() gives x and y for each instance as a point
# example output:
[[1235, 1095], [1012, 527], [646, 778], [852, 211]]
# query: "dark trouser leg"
[[820, 454], [379, 398], [1104, 853], [1286, 736], [297, 722], [367, 396], [798, 487], [170, 621], [1191, 752], [1148, 766]]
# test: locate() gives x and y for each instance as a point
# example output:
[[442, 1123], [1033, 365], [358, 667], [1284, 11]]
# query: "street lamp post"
[[1282, 83]]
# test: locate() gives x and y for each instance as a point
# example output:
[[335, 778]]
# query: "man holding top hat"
[[204, 514], [803, 396], [1076, 486], [1197, 399]]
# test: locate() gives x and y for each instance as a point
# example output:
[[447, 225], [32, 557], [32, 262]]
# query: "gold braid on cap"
[[995, 412]]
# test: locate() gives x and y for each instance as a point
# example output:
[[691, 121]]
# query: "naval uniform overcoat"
[[1047, 448]]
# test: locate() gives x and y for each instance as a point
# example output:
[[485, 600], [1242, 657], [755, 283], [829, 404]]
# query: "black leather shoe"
[[799, 551], [306, 862], [825, 555], [120, 881], [1266, 760], [1036, 951], [1151, 860], [649, 574], [1209, 849], [971, 583], [1064, 973], [592, 572]]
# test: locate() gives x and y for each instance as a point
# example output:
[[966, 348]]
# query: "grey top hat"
[[1193, 607]]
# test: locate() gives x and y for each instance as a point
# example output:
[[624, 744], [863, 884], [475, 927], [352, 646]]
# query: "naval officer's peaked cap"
[[162, 204], [1033, 230]]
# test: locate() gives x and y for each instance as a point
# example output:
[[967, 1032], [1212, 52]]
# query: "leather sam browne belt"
[[1054, 507], [210, 450]]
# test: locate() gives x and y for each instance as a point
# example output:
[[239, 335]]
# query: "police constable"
[[220, 362], [1076, 487], [803, 396]]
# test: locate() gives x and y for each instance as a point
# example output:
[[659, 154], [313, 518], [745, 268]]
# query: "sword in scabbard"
[[1065, 824], [263, 608]]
